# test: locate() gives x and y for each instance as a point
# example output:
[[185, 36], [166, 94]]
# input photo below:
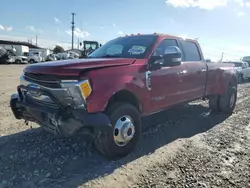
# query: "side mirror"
[[172, 56], [155, 62]]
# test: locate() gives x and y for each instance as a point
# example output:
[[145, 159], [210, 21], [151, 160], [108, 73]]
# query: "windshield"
[[125, 47]]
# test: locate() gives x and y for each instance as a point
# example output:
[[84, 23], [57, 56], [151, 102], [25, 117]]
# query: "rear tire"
[[214, 103], [106, 140], [228, 100], [224, 103]]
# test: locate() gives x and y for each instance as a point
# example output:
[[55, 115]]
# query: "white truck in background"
[[67, 55], [34, 57], [42, 53]]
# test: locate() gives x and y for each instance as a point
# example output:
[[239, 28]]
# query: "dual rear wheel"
[[224, 103]]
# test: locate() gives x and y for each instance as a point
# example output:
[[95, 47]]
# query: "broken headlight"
[[78, 90]]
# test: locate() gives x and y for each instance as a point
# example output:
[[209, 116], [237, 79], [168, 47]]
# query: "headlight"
[[79, 91]]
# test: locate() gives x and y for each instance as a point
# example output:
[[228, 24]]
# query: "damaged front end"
[[58, 106]]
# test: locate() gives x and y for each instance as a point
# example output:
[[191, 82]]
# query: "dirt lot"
[[183, 147]]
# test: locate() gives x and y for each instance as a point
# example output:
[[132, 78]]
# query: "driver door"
[[165, 82]]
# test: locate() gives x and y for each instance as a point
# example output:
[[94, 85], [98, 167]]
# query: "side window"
[[163, 45], [191, 51]]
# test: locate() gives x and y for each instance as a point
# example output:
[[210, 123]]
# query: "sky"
[[219, 25]]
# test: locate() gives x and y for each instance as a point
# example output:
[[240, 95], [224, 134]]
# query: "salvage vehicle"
[[5, 57], [17, 58], [108, 93]]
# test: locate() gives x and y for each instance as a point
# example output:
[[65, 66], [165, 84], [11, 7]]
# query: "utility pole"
[[222, 57], [36, 40], [78, 44], [73, 28]]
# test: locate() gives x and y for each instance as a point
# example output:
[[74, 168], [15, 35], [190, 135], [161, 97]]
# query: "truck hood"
[[74, 66]]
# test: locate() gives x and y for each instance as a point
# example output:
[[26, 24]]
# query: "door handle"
[[182, 72]]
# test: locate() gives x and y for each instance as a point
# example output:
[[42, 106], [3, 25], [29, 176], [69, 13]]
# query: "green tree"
[[58, 49]]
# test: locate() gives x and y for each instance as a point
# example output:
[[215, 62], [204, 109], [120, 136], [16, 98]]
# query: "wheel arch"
[[125, 95], [233, 81]]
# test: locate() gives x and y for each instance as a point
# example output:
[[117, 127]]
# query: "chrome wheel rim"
[[124, 130]]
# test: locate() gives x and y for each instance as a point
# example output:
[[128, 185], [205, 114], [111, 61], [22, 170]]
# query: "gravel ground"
[[183, 147]]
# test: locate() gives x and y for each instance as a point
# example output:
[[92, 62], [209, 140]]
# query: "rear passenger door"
[[194, 85]]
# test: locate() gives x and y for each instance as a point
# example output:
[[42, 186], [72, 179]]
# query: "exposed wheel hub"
[[124, 130]]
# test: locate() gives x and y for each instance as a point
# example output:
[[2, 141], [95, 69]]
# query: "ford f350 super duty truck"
[[129, 77]]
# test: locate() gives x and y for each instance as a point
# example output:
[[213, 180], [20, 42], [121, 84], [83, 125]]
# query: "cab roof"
[[162, 35]]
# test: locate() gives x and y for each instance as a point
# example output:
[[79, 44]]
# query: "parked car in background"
[[246, 59], [5, 58], [242, 70], [67, 55], [18, 59], [127, 78], [51, 57]]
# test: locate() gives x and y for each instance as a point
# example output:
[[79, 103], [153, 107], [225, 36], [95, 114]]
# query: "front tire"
[[31, 61], [18, 61], [126, 130]]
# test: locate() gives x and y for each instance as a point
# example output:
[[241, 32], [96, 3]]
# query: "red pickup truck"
[[129, 77]]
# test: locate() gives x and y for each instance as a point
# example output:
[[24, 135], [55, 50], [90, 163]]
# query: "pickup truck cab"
[[125, 79]]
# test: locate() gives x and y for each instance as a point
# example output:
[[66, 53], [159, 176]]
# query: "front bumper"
[[58, 119]]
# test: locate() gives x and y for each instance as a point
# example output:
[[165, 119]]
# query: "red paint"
[[168, 88]]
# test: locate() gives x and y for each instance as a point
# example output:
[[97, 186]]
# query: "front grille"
[[49, 81], [42, 77], [44, 83]]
